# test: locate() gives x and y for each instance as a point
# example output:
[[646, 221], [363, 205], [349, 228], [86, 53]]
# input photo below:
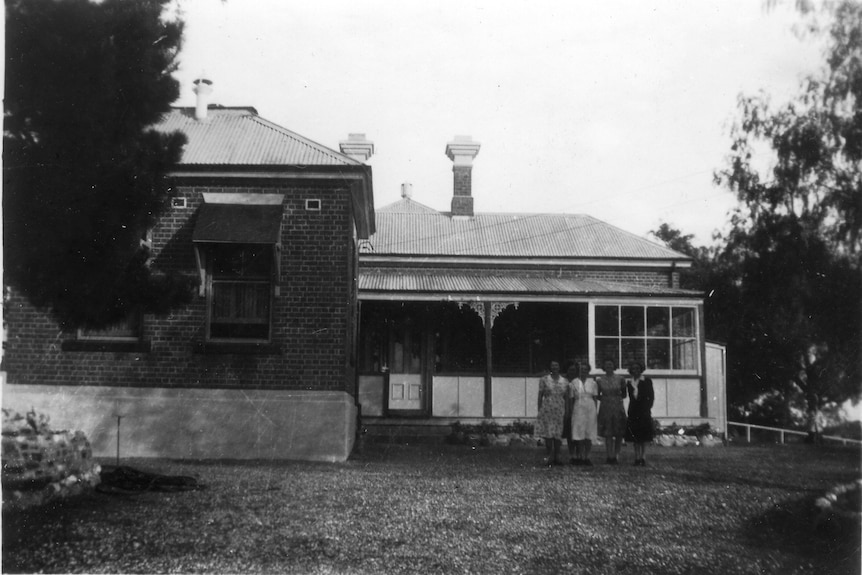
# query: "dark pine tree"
[[84, 172]]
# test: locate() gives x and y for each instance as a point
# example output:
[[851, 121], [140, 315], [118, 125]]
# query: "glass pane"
[[658, 354], [130, 328], [658, 323], [633, 350], [607, 349], [632, 321], [607, 320], [683, 322], [241, 261], [684, 354]]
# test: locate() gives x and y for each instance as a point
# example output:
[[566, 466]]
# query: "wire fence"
[[760, 433]]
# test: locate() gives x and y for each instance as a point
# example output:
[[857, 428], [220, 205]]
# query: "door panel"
[[405, 391]]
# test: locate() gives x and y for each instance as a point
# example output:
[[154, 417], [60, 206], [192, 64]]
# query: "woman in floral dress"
[[612, 415], [554, 394]]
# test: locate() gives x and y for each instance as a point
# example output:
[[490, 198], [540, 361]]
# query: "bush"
[[40, 464], [481, 433]]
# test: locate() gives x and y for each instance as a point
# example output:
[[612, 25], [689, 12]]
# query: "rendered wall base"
[[198, 423]]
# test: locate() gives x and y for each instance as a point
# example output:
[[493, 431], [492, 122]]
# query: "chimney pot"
[[357, 147], [406, 190], [203, 88]]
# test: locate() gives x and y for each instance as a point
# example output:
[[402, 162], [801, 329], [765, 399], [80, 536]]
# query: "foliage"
[[29, 423], [84, 174], [782, 287]]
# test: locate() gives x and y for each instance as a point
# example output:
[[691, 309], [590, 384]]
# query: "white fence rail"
[[783, 432]]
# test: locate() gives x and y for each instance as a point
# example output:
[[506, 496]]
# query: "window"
[[659, 337], [239, 291], [127, 330]]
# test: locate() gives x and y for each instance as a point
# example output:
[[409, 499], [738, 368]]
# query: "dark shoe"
[[615, 461], [586, 462], [643, 462], [574, 461], [557, 462]]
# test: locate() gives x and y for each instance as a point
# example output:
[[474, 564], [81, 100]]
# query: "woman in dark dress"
[[639, 429]]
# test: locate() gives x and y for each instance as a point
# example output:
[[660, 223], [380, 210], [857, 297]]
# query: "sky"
[[620, 110]]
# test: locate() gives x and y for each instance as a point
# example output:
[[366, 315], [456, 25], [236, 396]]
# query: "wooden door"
[[406, 376]]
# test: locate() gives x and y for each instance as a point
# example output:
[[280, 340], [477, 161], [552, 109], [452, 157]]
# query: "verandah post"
[[488, 359]]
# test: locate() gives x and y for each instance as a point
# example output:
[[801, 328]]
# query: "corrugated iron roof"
[[409, 228], [499, 283], [239, 137]]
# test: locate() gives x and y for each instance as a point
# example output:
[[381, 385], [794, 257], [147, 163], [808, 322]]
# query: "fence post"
[[781, 434], [748, 433]]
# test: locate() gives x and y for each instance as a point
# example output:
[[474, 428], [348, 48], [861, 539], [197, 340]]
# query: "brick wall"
[[311, 316]]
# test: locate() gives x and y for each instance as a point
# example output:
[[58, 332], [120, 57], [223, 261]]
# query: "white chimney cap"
[[203, 88], [406, 190], [462, 150], [357, 147]]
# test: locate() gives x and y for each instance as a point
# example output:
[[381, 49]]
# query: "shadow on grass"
[[791, 527]]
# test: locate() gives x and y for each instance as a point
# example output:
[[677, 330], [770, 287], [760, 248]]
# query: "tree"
[[794, 247], [84, 173]]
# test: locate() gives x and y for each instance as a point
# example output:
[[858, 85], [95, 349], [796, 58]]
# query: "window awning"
[[239, 224], [238, 218]]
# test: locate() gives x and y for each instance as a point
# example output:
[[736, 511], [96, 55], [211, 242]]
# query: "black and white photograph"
[[396, 287]]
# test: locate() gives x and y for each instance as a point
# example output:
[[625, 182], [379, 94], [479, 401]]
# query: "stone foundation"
[[198, 423]]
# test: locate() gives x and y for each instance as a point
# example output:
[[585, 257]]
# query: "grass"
[[454, 509]]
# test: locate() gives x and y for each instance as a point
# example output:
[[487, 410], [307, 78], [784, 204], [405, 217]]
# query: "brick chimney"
[[357, 147], [203, 88], [461, 151]]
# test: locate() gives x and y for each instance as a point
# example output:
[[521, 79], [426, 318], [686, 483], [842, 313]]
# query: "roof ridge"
[[270, 125]]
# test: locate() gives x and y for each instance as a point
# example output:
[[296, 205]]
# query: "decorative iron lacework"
[[497, 307]]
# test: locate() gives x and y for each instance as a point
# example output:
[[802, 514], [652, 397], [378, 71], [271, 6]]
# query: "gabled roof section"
[[239, 137], [407, 206], [407, 228]]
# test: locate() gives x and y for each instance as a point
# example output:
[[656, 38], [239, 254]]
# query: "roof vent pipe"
[[203, 88], [407, 190]]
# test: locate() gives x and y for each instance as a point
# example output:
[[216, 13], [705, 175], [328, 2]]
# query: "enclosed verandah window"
[[450, 338]]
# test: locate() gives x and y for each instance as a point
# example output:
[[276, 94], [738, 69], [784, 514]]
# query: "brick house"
[[262, 363], [461, 311]]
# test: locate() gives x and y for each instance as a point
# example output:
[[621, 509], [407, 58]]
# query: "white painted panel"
[[445, 403], [659, 408], [399, 394], [371, 394], [471, 395], [683, 398], [716, 385], [508, 397]]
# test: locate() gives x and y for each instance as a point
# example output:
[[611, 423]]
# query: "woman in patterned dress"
[[554, 393], [612, 416]]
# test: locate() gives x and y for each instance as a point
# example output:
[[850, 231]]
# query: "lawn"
[[456, 509]]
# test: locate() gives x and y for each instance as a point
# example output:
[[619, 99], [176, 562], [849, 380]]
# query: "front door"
[[406, 385]]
